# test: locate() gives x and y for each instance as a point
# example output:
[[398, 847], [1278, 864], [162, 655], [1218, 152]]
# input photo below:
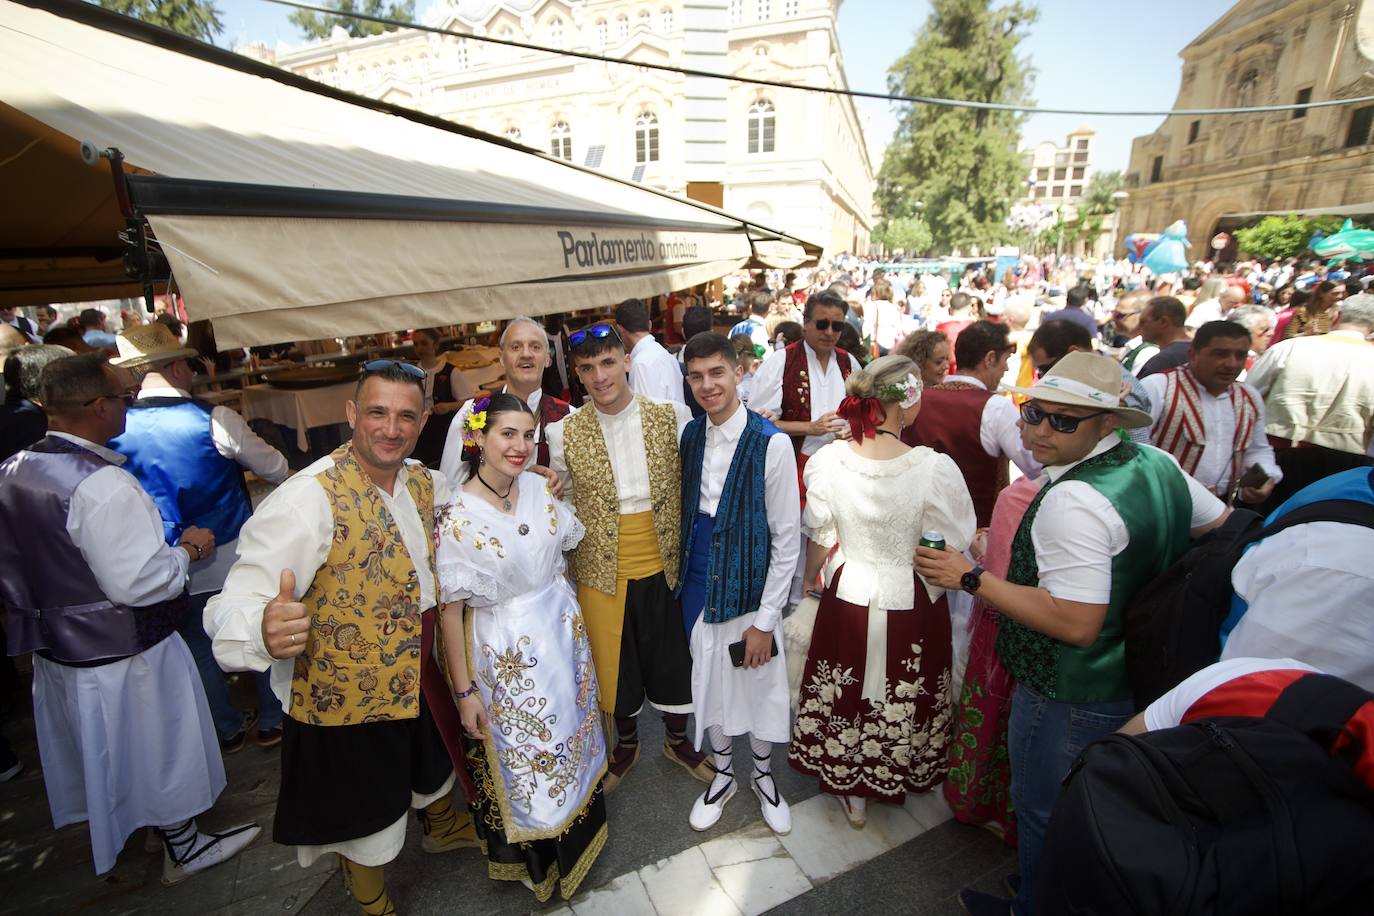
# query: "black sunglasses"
[[128, 397], [1060, 423], [381, 365], [599, 331], [825, 324]]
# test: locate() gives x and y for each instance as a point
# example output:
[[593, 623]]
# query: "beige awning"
[[289, 210]]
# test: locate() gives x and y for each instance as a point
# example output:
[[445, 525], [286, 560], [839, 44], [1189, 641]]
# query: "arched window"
[[642, 21], [560, 140], [762, 127], [665, 21], [646, 137], [765, 10], [603, 32], [556, 32], [512, 134], [622, 27]]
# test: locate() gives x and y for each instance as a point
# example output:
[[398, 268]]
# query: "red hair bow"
[[863, 416]]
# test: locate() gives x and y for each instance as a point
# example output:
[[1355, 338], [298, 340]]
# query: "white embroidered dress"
[[528, 652]]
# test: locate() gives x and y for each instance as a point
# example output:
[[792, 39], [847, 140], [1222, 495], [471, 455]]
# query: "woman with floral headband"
[[520, 661], [873, 714]]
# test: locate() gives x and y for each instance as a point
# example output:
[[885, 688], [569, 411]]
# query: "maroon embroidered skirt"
[[875, 750]]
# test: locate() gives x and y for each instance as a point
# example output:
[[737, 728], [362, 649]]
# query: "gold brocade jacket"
[[362, 660], [598, 504]]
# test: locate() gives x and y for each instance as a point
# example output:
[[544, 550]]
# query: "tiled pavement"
[[907, 860]]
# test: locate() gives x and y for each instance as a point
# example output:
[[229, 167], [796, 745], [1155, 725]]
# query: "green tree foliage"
[[961, 163], [1098, 199], [319, 25], [1278, 237], [195, 18], [903, 233]]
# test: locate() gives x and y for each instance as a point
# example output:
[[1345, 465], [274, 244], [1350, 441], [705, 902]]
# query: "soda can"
[[933, 539]]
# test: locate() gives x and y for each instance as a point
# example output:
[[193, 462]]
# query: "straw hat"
[[149, 344], [1087, 380]]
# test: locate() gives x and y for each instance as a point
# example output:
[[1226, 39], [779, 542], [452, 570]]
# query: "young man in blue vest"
[[741, 532], [190, 456]]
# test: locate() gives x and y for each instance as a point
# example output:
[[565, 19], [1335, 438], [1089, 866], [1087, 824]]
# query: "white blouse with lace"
[[487, 557], [876, 511]]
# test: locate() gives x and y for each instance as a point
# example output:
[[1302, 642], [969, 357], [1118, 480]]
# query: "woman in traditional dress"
[[979, 785], [874, 711], [520, 661]]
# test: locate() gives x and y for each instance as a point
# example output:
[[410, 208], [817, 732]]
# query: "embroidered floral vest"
[[362, 661], [598, 503]]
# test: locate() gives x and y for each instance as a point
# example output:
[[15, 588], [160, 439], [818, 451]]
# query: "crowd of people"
[[890, 523]]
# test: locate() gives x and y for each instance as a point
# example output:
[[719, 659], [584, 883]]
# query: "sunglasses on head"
[[1060, 423], [825, 324], [599, 331], [381, 365]]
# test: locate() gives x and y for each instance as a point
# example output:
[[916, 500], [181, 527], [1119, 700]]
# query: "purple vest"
[[56, 606]]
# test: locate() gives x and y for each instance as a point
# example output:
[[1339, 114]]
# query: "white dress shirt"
[[654, 371], [235, 440], [1169, 710], [1310, 592], [294, 529], [827, 391], [998, 431], [623, 434], [116, 526], [1202, 313], [452, 465], [781, 498], [1219, 429], [1077, 532]]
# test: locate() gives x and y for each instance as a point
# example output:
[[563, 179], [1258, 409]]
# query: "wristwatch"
[[970, 580]]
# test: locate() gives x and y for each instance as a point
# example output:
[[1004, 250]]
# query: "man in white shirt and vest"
[[618, 460], [1209, 421], [94, 591], [1112, 516], [334, 592], [188, 455]]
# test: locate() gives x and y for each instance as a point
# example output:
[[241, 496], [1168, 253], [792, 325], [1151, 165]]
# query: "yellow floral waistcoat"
[[598, 504], [362, 661]]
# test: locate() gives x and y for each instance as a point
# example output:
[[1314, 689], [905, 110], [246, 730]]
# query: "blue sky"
[[1101, 54]]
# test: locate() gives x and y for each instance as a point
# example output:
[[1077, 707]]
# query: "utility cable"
[[854, 93]]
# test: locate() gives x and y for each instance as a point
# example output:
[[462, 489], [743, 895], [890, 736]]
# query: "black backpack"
[[1172, 625], [1219, 816]]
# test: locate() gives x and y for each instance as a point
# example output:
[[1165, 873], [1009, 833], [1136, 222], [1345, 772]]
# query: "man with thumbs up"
[[334, 591]]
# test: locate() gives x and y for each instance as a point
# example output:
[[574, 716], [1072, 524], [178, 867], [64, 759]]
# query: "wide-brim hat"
[[149, 344], [1087, 380]]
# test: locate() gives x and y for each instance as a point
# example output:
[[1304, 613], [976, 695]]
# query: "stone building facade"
[[795, 161], [1212, 171]]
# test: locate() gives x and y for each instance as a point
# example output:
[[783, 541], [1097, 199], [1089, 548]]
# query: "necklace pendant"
[[505, 504]]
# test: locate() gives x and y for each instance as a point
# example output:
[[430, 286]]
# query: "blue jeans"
[[1044, 737], [228, 720]]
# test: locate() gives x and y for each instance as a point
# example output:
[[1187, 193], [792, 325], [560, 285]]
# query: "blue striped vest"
[[741, 540]]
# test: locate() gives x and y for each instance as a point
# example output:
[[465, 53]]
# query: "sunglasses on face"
[[1060, 423], [599, 331], [825, 324], [381, 365], [128, 397]]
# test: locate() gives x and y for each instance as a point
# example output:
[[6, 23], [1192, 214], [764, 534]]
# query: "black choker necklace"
[[888, 432], [504, 497]]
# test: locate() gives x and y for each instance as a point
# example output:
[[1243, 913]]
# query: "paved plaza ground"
[[907, 860]]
